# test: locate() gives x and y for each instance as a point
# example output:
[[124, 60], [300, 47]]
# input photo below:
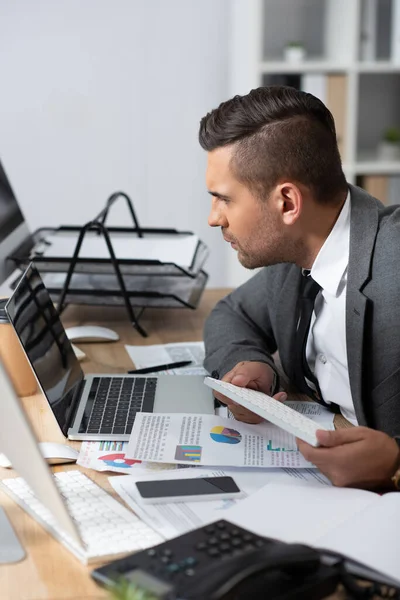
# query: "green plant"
[[127, 590], [392, 135], [295, 45]]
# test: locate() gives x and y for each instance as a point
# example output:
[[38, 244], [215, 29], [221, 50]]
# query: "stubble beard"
[[255, 261], [277, 250], [269, 245]]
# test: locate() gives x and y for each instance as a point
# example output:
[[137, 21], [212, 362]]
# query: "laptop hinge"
[[77, 395]]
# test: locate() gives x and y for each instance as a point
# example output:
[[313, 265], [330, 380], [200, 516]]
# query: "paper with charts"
[[209, 440], [113, 456]]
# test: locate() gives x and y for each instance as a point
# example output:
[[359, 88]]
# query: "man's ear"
[[290, 202]]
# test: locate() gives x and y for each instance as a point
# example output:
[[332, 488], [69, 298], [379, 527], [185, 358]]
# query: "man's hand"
[[356, 457], [255, 375]]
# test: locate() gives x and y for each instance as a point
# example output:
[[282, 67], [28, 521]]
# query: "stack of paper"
[[179, 250]]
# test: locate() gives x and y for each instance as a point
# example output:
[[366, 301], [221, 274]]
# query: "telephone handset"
[[221, 561], [294, 562]]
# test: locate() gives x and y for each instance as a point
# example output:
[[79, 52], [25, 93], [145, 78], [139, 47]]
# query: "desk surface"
[[49, 571]]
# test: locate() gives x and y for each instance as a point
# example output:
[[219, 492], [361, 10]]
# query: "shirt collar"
[[333, 258]]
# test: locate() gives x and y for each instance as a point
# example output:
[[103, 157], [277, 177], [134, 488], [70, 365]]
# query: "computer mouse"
[[4, 462], [91, 333], [54, 453], [58, 454], [80, 355]]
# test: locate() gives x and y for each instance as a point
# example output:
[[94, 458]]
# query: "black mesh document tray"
[[96, 264], [41, 252], [162, 291]]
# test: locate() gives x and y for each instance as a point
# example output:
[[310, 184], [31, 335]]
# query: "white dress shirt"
[[326, 344]]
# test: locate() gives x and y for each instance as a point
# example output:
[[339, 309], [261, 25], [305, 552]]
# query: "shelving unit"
[[352, 62]]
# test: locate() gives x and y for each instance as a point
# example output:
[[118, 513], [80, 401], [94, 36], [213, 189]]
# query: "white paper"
[[189, 370], [169, 249], [212, 441], [170, 519], [112, 456], [161, 354], [173, 519], [371, 536], [356, 523], [297, 514], [314, 411]]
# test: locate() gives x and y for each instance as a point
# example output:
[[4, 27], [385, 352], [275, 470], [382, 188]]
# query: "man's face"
[[253, 227]]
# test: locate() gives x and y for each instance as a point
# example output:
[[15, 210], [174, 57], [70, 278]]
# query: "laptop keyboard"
[[115, 402]]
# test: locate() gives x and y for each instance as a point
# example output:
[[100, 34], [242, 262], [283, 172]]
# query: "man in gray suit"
[[281, 200]]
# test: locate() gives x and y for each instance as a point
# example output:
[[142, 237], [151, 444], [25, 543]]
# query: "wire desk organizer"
[[136, 283]]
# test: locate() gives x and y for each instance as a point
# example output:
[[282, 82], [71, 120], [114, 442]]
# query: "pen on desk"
[[174, 365]]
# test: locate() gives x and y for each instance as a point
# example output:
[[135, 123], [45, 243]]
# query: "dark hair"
[[279, 133]]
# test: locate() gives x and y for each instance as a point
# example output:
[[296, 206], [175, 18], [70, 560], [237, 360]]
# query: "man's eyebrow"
[[218, 195]]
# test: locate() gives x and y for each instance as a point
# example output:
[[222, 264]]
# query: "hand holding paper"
[[356, 457]]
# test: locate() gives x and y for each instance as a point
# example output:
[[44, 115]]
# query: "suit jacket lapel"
[[364, 221]]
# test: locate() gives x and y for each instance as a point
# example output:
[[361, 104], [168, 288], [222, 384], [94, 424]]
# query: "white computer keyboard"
[[108, 529], [270, 409]]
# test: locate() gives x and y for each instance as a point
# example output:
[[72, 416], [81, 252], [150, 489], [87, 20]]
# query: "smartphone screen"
[[187, 487]]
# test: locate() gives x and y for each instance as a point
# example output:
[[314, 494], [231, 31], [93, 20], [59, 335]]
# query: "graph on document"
[[279, 440], [112, 446]]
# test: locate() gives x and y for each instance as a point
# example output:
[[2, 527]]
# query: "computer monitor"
[[19, 444], [14, 231]]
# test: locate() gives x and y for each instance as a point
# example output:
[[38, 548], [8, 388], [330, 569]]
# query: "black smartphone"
[[188, 490]]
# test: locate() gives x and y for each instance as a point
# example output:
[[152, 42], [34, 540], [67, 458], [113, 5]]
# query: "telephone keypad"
[[182, 558]]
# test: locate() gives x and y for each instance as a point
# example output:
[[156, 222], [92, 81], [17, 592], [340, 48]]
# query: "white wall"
[[101, 95]]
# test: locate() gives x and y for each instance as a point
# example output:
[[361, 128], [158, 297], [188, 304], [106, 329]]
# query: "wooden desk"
[[49, 571]]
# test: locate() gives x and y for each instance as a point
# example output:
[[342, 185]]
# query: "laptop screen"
[[42, 335]]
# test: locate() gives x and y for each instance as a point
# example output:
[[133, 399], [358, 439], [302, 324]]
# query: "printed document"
[[161, 354], [112, 456], [210, 440], [172, 519]]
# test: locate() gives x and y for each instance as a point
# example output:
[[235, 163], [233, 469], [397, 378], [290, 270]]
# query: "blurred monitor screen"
[[13, 229]]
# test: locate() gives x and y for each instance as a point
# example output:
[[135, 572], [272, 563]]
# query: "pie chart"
[[224, 435], [118, 460]]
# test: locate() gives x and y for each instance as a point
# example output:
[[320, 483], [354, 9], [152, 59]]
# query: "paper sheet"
[[318, 510], [209, 440], [173, 519], [178, 249], [314, 411], [112, 456], [160, 354], [359, 524]]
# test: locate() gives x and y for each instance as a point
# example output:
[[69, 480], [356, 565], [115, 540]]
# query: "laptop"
[[91, 407]]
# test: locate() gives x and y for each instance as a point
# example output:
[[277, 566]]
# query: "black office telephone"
[[224, 561]]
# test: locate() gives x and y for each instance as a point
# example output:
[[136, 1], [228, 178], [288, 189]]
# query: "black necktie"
[[308, 292]]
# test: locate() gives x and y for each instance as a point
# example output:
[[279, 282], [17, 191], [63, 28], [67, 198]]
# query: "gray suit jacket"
[[258, 318]]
